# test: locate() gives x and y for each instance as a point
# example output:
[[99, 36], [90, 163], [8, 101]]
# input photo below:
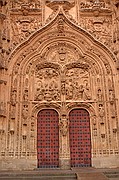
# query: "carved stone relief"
[[64, 125], [62, 53], [51, 72], [47, 85], [99, 27], [77, 84], [18, 4], [23, 27]]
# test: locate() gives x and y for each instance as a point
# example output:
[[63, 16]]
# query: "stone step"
[[40, 176], [114, 175], [91, 176]]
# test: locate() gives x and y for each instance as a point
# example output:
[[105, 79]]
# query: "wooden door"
[[80, 138], [48, 139]]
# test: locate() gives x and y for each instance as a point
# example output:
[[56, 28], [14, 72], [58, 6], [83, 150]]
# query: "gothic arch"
[[41, 38]]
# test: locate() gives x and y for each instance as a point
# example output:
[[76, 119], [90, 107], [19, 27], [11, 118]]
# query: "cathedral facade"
[[59, 84]]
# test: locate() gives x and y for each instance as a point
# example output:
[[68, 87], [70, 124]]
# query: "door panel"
[[48, 139], [80, 138]]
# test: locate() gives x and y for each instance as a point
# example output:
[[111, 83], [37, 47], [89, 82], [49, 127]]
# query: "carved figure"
[[77, 86], [81, 91], [13, 96], [111, 95], [63, 126], [13, 112], [25, 96], [87, 95], [47, 85], [101, 111], [25, 112], [99, 94]]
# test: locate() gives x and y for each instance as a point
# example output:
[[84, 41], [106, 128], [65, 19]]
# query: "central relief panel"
[[47, 84], [77, 84], [62, 75]]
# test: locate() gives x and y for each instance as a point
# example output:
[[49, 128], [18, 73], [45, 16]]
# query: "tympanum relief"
[[47, 85], [77, 84]]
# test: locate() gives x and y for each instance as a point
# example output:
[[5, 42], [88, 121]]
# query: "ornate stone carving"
[[47, 86], [60, 26], [62, 53], [54, 4], [13, 97], [30, 4], [13, 112], [61, 66], [99, 95], [2, 109], [64, 125], [77, 89], [25, 112], [95, 6], [101, 113], [23, 27], [25, 95]]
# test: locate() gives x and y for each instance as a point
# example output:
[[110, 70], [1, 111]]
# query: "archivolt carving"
[[44, 105]]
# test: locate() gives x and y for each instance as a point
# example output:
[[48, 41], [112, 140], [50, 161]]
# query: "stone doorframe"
[[64, 143]]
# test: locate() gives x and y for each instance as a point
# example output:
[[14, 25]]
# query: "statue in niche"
[[111, 95], [113, 110], [25, 112], [75, 90], [13, 97], [63, 126], [115, 6], [12, 112], [81, 91], [87, 95], [99, 95], [101, 113], [25, 96]]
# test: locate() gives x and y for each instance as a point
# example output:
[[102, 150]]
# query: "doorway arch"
[[48, 139], [80, 138]]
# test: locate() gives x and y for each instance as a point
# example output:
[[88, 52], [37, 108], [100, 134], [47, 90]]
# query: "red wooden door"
[[48, 139], [80, 138]]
